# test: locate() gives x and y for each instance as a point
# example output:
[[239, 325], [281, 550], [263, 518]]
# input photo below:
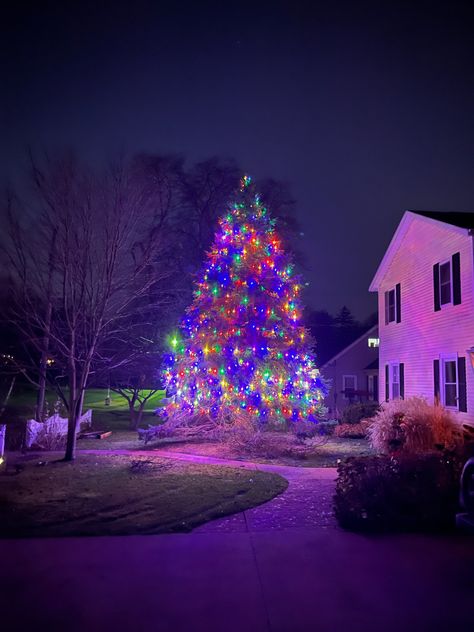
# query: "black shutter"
[[387, 385], [386, 308], [398, 299], [401, 372], [436, 379], [437, 303], [456, 268], [462, 390]]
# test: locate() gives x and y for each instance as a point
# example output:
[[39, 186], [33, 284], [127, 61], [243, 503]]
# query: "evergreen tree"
[[242, 348]]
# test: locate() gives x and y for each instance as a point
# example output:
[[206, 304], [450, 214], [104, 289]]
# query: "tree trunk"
[[133, 412], [71, 436], [74, 397], [7, 396], [81, 402], [140, 414], [133, 420], [43, 366], [40, 399], [133, 417]]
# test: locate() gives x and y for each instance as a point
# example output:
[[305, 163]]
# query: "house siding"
[[423, 335]]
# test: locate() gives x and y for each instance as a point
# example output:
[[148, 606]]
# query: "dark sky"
[[364, 109]]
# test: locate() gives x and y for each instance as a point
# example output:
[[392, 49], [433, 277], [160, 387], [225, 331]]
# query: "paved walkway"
[[306, 503], [266, 574]]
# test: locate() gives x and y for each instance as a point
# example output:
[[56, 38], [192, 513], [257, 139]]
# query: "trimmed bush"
[[409, 493], [413, 426], [352, 431], [354, 413], [308, 429]]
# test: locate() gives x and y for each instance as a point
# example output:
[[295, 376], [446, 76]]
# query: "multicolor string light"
[[241, 347]]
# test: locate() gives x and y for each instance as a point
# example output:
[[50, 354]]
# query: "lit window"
[[373, 342]]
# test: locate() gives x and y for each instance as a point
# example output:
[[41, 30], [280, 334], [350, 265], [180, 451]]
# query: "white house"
[[353, 373], [425, 286]]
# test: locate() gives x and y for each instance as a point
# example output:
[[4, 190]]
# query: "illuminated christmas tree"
[[242, 348]]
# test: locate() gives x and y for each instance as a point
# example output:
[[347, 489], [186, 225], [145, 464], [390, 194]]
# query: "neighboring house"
[[353, 373], [425, 286]]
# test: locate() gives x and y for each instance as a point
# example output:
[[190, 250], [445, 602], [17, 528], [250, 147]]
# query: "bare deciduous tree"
[[95, 253]]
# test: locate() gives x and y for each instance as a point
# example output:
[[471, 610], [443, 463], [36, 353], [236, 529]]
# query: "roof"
[[353, 344], [459, 219], [373, 365], [459, 222]]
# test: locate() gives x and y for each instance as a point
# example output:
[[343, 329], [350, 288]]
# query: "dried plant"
[[414, 426]]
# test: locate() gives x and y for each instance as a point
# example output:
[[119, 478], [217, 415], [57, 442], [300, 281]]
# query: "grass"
[[337, 449], [123, 495], [23, 401], [329, 454], [114, 417]]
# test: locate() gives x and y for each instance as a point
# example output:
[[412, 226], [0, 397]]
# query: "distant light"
[[373, 342]]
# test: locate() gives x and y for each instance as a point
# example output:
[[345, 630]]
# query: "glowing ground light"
[[241, 345]]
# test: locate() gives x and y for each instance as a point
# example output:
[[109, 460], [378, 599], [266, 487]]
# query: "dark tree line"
[[335, 332]]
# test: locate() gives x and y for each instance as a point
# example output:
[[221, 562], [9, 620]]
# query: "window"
[[349, 386], [390, 306], [447, 282], [394, 381], [373, 387], [450, 385], [393, 305], [373, 342]]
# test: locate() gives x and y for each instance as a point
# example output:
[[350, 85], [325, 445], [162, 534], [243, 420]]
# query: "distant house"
[[353, 373], [425, 286]]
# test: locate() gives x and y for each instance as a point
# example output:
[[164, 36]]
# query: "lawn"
[[114, 417], [328, 454], [23, 401], [123, 495]]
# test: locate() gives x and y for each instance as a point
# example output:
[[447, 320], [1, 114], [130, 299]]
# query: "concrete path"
[[262, 573], [306, 503]]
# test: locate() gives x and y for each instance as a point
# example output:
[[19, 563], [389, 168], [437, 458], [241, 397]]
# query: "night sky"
[[364, 109]]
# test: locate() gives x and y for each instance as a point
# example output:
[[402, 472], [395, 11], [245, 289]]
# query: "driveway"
[[281, 567]]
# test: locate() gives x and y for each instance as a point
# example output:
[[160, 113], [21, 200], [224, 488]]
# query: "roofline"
[[353, 344], [405, 222]]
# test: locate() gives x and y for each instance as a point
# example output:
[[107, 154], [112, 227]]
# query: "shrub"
[[304, 429], [270, 444], [354, 413], [352, 431], [308, 429], [413, 426], [407, 493]]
